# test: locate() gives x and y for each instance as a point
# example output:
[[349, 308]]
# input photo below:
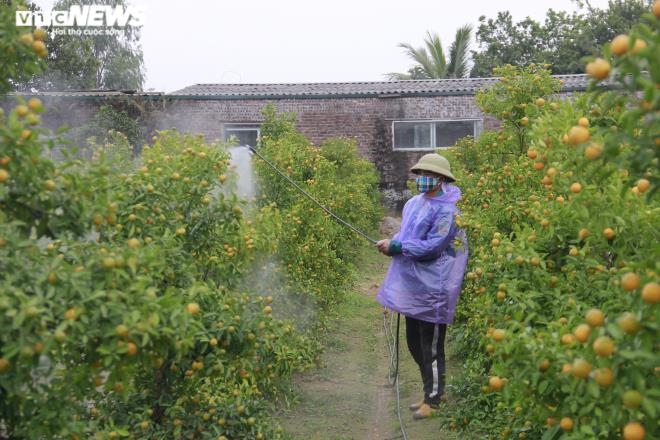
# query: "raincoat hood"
[[425, 279], [450, 194]]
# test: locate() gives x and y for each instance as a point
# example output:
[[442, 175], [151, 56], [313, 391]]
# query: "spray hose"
[[393, 376], [310, 197]]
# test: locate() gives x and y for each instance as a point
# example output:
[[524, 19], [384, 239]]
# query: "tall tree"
[[562, 40], [430, 59], [113, 60]]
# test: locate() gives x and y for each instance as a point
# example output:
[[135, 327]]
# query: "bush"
[[559, 318], [22, 49], [124, 308], [105, 124], [318, 252], [118, 297]]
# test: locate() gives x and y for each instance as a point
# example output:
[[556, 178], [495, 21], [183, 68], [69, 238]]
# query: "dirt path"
[[350, 398]]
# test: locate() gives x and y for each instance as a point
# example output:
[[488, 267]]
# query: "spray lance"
[[395, 360], [310, 197]]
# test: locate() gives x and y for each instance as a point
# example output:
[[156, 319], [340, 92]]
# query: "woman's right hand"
[[383, 246]]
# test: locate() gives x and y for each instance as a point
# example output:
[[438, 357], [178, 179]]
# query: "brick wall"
[[367, 120]]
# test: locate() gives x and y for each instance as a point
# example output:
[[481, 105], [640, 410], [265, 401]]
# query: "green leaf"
[[615, 330], [651, 407], [587, 429], [551, 433], [634, 354]]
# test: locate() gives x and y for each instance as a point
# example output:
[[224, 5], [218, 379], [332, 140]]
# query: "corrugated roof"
[[89, 93], [460, 86], [219, 91]]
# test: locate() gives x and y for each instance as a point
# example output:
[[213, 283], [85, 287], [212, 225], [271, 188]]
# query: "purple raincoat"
[[424, 281]]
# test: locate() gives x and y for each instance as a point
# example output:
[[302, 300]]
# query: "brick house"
[[393, 122]]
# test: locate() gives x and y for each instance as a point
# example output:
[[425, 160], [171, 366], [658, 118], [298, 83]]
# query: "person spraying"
[[423, 282]]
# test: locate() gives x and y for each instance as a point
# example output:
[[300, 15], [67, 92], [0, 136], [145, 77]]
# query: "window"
[[245, 134], [428, 135]]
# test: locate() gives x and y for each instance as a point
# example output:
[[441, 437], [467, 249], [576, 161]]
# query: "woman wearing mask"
[[429, 256]]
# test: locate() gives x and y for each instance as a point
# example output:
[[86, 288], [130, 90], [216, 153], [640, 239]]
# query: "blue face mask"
[[426, 183]]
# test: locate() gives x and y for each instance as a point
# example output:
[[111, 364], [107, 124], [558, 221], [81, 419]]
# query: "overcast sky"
[[275, 41]]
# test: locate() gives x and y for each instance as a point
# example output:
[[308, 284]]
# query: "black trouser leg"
[[426, 342], [413, 340]]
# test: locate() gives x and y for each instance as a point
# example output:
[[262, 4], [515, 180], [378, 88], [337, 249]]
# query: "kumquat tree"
[[560, 323], [122, 310], [130, 305]]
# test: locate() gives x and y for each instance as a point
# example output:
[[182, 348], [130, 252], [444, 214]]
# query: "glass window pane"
[[244, 137], [422, 135], [448, 132], [245, 134], [412, 135]]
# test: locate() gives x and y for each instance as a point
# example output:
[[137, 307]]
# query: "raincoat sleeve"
[[438, 238], [395, 237]]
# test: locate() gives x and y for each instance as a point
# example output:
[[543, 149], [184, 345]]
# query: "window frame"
[[240, 126], [477, 128]]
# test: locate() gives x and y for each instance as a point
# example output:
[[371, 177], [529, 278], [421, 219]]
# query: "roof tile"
[[426, 87], [460, 86]]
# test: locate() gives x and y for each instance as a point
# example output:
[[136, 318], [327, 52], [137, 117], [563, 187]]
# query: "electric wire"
[[310, 197], [393, 376]]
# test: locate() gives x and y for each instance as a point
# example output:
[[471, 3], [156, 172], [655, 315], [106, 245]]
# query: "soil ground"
[[350, 397]]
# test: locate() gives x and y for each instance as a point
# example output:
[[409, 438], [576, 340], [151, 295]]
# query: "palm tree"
[[431, 61]]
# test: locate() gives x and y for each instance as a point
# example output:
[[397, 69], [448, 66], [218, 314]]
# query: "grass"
[[349, 397]]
